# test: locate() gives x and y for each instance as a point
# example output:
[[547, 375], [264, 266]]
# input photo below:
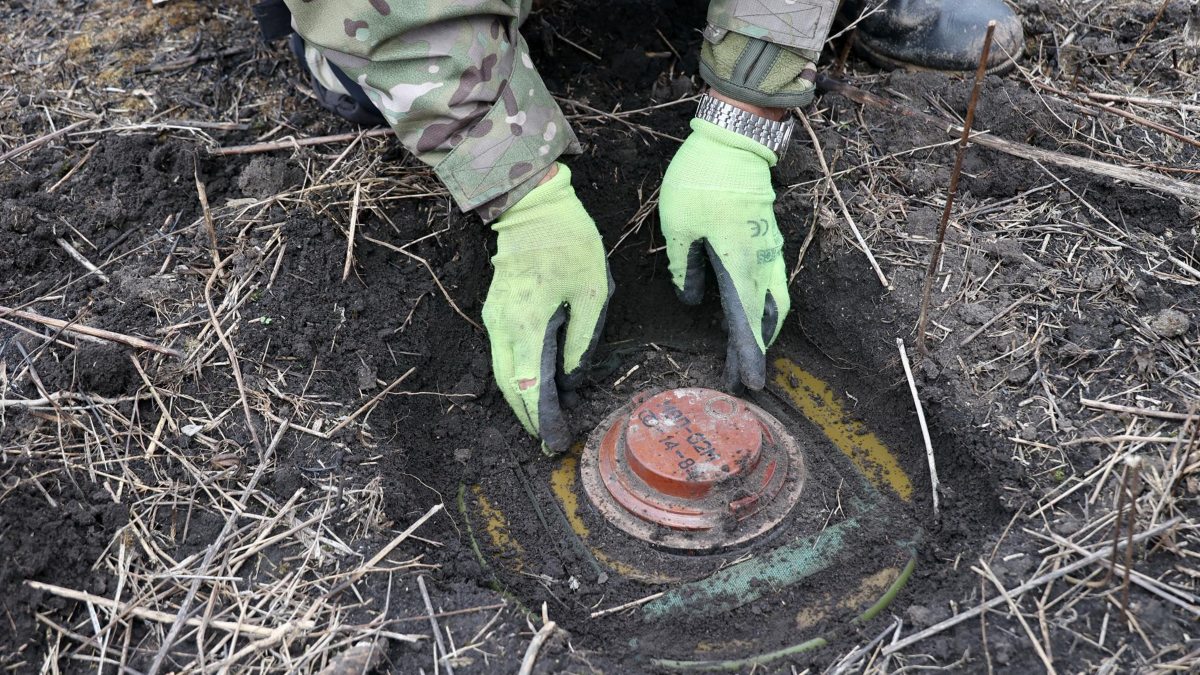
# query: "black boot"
[[936, 34], [355, 107]]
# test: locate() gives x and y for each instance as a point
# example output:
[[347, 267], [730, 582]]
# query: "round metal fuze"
[[692, 469]]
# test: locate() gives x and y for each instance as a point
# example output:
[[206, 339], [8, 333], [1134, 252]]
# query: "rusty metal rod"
[[935, 256]]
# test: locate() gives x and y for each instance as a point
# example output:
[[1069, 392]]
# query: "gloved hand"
[[551, 269], [717, 200]]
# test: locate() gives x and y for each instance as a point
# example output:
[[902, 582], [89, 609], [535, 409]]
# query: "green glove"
[[551, 270], [717, 199]]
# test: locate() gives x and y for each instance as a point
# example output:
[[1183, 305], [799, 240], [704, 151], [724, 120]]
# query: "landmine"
[[692, 470], [759, 530]]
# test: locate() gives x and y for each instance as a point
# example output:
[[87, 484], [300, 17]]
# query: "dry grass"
[[269, 592], [277, 586], [276, 590], [1089, 263]]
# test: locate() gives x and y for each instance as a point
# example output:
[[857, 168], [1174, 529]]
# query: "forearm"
[[771, 113], [456, 83], [763, 52]]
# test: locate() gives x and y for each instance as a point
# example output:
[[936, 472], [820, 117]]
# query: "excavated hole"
[[854, 353]]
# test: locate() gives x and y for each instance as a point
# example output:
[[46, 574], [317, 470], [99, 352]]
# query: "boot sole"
[[885, 61]]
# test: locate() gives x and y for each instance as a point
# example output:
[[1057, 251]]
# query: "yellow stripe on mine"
[[815, 399], [496, 526]]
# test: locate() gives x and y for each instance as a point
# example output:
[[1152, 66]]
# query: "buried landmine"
[[785, 515]]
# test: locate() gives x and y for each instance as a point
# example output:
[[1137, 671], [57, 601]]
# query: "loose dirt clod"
[[1170, 323]]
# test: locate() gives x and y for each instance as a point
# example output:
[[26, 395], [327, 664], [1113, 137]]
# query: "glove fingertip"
[[751, 361], [754, 374], [733, 377], [555, 444], [552, 426]]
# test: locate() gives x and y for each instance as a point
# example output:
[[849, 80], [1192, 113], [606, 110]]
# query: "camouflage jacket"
[[455, 80]]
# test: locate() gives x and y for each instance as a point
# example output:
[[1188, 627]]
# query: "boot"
[[335, 91], [944, 35]]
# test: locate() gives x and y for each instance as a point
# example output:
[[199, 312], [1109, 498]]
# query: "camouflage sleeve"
[[763, 51], [791, 23], [454, 80]]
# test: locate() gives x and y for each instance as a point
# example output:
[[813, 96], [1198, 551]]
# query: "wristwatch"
[[775, 135]]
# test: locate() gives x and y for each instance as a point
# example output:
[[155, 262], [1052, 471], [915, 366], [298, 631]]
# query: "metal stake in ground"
[[935, 256]]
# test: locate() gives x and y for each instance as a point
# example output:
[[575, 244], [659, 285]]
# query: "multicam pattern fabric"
[[800, 24], [455, 81]]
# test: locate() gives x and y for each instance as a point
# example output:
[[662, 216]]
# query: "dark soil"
[[340, 342]]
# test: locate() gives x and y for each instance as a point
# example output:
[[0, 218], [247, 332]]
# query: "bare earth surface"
[[260, 489]]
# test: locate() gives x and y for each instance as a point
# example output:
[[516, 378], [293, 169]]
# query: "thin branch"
[[436, 280], [1147, 179], [935, 256], [353, 228], [1145, 412], [79, 258], [157, 616], [627, 605], [535, 645], [437, 632], [912, 387], [383, 552], [1023, 588], [842, 203], [293, 143], [21, 149], [88, 331]]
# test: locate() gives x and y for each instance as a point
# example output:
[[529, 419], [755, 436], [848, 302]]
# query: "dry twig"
[[935, 486], [293, 143], [842, 203], [38, 142], [535, 645], [1133, 410], [88, 331], [1148, 179], [627, 605], [350, 237], [383, 552], [157, 616], [79, 258], [1023, 588], [436, 280], [437, 633]]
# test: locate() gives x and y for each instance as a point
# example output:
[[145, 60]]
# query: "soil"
[[313, 346]]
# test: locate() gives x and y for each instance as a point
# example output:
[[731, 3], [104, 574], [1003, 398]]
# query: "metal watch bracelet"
[[775, 135]]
